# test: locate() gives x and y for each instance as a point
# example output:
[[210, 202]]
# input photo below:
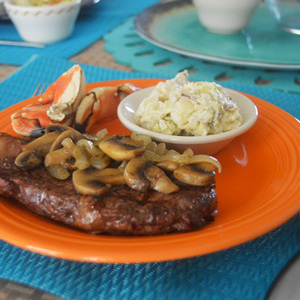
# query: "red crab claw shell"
[[29, 118], [57, 105], [100, 104], [32, 119], [65, 94]]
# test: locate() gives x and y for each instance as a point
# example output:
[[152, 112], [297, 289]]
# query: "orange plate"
[[258, 191]]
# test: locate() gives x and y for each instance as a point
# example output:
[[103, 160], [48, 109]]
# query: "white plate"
[[174, 26]]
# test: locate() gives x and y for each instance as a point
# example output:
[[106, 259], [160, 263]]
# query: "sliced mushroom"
[[120, 147], [111, 176], [134, 174], [29, 159], [193, 174], [43, 143], [159, 180], [95, 182], [73, 134], [141, 175], [35, 133], [56, 128]]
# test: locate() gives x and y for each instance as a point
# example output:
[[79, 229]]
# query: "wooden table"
[[93, 55]]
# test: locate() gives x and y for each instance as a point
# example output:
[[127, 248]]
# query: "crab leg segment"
[[100, 104]]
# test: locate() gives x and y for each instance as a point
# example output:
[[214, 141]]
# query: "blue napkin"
[[93, 22], [246, 271]]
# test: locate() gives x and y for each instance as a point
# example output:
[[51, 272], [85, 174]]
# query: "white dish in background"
[[43, 24], [210, 144], [4, 16], [226, 16]]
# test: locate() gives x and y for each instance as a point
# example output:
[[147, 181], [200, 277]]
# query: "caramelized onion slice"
[[171, 155], [208, 163], [57, 157], [146, 139], [89, 147], [96, 138], [81, 157], [100, 162], [59, 172]]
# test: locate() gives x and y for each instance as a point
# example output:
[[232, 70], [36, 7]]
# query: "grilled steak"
[[121, 211]]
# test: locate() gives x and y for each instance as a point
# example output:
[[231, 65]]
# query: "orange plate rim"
[[23, 229]]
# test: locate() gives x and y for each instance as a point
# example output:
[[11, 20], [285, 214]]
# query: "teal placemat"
[[130, 49], [243, 272], [93, 22]]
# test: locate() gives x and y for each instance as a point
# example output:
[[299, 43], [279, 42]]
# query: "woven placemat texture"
[[246, 271], [130, 49], [33, 72], [93, 22], [93, 55]]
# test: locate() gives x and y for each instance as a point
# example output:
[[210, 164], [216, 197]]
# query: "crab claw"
[[57, 105], [100, 104], [30, 118], [65, 94]]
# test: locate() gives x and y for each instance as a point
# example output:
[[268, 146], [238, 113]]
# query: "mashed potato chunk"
[[180, 107]]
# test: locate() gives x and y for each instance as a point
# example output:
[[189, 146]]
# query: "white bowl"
[[43, 24], [209, 144], [225, 16]]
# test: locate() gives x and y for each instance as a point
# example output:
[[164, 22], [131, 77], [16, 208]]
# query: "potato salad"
[[181, 107]]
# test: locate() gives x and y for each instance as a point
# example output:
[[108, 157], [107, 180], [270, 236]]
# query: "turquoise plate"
[[175, 26]]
